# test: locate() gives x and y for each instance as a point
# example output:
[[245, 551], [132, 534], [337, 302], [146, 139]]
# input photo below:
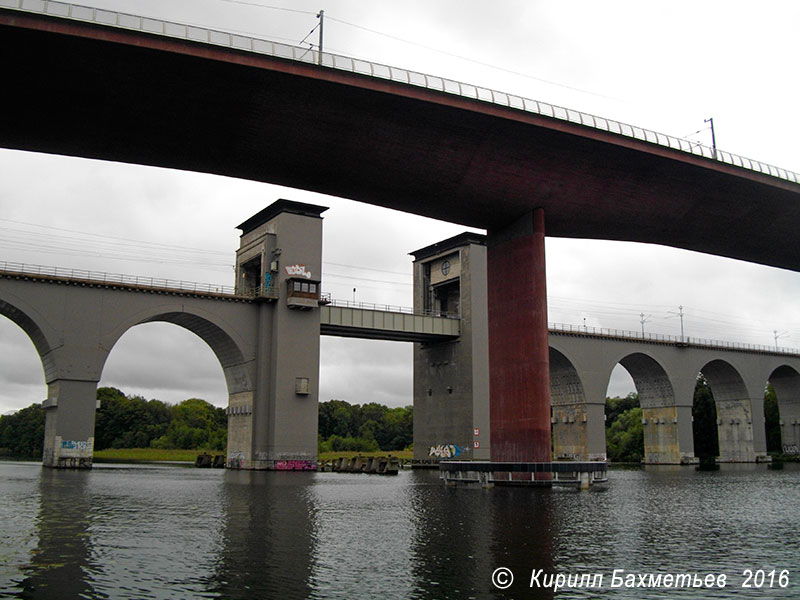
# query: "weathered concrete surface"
[[451, 379], [519, 371]]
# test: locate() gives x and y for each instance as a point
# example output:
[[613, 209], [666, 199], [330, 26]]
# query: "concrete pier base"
[[69, 424], [487, 474]]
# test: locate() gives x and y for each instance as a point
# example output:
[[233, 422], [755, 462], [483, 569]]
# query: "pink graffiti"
[[295, 465]]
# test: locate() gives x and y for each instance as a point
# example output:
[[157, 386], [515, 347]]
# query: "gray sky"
[[663, 65]]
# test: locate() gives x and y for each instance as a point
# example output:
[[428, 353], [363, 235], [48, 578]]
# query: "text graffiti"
[[445, 451]]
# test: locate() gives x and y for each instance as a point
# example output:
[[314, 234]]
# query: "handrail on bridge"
[[265, 292], [271, 292], [114, 278], [387, 308], [666, 339], [335, 61]]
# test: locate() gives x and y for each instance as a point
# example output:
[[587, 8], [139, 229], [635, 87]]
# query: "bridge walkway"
[[337, 317]]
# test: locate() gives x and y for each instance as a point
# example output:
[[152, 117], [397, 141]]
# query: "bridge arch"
[[570, 411], [734, 411], [785, 381], [659, 411], [34, 325], [224, 341]]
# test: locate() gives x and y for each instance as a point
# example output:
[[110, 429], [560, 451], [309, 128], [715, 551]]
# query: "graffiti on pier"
[[295, 465], [445, 451]]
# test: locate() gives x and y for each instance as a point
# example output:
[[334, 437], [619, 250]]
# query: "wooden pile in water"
[[207, 461], [379, 465]]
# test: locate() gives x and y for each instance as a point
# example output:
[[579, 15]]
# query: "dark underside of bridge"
[[81, 90]]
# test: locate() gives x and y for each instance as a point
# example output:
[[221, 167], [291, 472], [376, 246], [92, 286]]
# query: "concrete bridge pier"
[[279, 263], [69, 424], [786, 384], [519, 362]]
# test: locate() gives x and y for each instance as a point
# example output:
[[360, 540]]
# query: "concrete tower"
[[451, 379], [279, 262]]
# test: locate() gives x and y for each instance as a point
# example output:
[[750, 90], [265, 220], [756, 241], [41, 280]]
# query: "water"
[[174, 532]]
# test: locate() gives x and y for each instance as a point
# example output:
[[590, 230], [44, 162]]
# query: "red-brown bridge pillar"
[[519, 363]]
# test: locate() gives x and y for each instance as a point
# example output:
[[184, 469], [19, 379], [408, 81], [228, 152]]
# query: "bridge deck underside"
[[197, 107]]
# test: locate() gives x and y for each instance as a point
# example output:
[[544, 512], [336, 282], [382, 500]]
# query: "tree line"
[[134, 422], [364, 428], [625, 433], [126, 422]]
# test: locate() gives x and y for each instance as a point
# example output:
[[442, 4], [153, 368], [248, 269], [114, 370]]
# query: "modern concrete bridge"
[[190, 98]]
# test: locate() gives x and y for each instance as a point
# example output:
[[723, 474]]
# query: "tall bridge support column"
[[69, 424], [279, 262], [519, 379]]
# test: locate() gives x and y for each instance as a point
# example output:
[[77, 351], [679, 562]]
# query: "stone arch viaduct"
[[75, 323], [665, 374]]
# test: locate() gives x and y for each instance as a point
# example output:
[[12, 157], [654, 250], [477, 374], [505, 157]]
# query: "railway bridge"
[[265, 333]]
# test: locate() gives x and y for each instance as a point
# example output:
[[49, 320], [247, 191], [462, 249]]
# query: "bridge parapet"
[[134, 282], [660, 338], [234, 41]]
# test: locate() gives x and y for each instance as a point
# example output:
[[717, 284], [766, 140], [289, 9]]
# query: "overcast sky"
[[667, 66]]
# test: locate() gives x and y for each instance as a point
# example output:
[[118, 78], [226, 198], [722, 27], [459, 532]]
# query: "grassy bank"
[[148, 455], [401, 454], [157, 455]]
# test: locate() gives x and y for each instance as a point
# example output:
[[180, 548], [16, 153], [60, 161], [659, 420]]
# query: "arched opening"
[[22, 393], [704, 422], [366, 394], [782, 411], [658, 419], [722, 383], [164, 386], [624, 431], [570, 415]]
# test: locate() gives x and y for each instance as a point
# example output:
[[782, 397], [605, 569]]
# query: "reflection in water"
[[61, 562], [267, 540], [463, 535], [149, 532]]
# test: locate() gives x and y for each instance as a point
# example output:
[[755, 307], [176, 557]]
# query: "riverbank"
[[148, 455], [159, 455]]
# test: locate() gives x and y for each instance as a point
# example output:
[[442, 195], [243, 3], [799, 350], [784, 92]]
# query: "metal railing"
[[335, 61], [326, 298], [81, 275], [272, 292], [667, 339]]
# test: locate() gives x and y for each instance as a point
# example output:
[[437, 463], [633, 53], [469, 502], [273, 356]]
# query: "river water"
[[146, 531]]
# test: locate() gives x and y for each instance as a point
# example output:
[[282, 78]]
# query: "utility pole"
[[679, 314], [709, 120], [321, 17], [778, 335], [643, 321]]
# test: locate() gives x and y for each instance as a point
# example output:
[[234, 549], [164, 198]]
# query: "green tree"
[[704, 413], [625, 437], [388, 428], [22, 434], [616, 406], [772, 420], [128, 421], [195, 424]]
